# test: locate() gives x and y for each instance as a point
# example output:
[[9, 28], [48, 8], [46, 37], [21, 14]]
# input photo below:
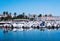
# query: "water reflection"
[[5, 31], [20, 29], [42, 29], [36, 34]]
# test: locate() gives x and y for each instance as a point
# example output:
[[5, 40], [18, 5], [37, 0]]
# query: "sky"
[[31, 6]]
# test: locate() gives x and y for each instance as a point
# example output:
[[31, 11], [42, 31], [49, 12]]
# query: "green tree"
[[23, 14], [2, 18], [40, 15], [20, 16], [10, 13], [46, 15], [4, 13], [15, 14], [26, 17]]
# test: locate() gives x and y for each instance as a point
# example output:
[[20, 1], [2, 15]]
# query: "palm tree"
[[10, 13], [4, 13], [14, 14], [20, 16], [40, 15], [34, 17], [46, 15], [23, 14]]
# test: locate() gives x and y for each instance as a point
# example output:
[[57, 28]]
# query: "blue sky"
[[31, 6]]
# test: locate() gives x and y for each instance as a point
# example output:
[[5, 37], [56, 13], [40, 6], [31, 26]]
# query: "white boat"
[[14, 29], [35, 24], [55, 25], [48, 24], [18, 24], [3, 24], [58, 25], [7, 25], [14, 24], [28, 24]]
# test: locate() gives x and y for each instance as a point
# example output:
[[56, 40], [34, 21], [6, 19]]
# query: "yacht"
[[48, 24], [42, 24], [28, 24], [35, 24], [18, 24], [5, 24]]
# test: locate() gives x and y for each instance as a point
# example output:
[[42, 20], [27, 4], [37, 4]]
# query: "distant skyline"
[[31, 6]]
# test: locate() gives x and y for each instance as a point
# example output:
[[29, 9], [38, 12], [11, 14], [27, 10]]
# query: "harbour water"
[[41, 34]]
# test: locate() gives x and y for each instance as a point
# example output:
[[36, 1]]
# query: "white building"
[[52, 18], [33, 16], [1, 15]]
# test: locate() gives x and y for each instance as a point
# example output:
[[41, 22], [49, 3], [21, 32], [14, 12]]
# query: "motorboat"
[[20, 24], [28, 24], [35, 24], [14, 25], [55, 25], [42, 24], [7, 25], [48, 24]]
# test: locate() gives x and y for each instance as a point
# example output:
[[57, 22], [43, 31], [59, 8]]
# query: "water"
[[42, 34]]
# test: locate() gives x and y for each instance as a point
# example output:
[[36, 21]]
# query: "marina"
[[30, 24], [29, 20]]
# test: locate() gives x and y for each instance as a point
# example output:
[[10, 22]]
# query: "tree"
[[34, 16], [10, 13], [4, 13], [20, 16], [46, 15], [23, 14], [26, 17], [14, 14], [2, 18], [40, 15]]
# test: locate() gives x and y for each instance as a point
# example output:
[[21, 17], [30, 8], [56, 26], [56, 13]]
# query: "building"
[[34, 16], [18, 20], [1, 15], [52, 18]]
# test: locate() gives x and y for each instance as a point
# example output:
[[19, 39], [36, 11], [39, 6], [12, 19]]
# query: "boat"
[[18, 24], [55, 25], [4, 24], [28, 24], [7, 25], [42, 24], [14, 25], [48, 24], [35, 24]]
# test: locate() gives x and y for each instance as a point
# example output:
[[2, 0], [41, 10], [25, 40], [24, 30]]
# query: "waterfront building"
[[34, 16], [52, 18], [18, 20]]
